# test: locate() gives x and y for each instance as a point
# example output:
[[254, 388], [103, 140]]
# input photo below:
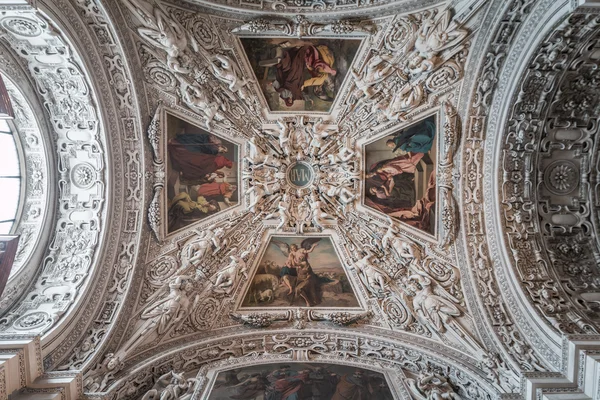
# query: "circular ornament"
[[561, 177], [300, 175], [83, 175], [21, 26], [31, 321]]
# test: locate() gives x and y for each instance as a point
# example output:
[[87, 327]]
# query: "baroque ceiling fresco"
[[281, 199]]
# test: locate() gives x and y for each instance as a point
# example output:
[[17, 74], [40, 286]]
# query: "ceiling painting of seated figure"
[[300, 74], [400, 174], [202, 173]]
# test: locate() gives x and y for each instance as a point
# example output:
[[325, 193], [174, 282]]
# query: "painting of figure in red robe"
[[300, 74], [301, 381], [400, 174], [202, 173]]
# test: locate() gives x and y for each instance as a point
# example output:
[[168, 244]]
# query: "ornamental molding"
[[548, 158], [206, 264], [83, 138], [518, 339], [35, 214], [478, 201], [205, 359], [65, 93]]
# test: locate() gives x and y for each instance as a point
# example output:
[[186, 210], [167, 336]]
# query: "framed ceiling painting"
[[299, 271], [201, 172], [400, 174], [300, 75], [300, 381]]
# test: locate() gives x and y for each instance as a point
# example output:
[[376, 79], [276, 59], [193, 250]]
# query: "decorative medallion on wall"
[[400, 174], [300, 75], [300, 271]]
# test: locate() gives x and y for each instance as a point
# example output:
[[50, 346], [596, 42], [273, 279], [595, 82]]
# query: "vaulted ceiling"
[[215, 189]]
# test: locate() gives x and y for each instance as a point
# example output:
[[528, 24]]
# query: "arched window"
[[10, 178]]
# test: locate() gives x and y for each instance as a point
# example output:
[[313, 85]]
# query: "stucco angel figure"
[[261, 189], [374, 279], [431, 386], [163, 312], [319, 132], [283, 212], [317, 215], [404, 100], [344, 155], [226, 71], [404, 247], [171, 386], [345, 196], [433, 37], [433, 304], [162, 32], [197, 98], [284, 135], [166, 312], [228, 276], [258, 156], [197, 247], [379, 67]]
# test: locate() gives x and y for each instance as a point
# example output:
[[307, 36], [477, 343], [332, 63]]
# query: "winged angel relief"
[[187, 64], [422, 54], [304, 272]]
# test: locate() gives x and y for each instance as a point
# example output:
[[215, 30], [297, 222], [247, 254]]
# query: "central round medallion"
[[300, 174]]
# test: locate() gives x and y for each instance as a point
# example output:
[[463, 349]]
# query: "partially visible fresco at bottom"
[[300, 381]]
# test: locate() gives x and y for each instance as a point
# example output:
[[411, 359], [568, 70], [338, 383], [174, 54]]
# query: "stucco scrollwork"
[[548, 217], [421, 54], [68, 99], [301, 27]]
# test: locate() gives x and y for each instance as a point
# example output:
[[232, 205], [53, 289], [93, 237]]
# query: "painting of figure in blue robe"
[[400, 179]]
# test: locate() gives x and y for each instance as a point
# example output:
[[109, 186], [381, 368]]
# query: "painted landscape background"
[[280, 283]]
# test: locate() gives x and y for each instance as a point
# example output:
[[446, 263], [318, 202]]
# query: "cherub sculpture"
[[373, 278], [197, 247], [319, 131], [379, 67], [226, 71], [284, 135], [317, 215], [228, 276], [198, 100], [171, 386], [162, 32], [403, 246], [283, 212]]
